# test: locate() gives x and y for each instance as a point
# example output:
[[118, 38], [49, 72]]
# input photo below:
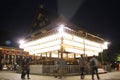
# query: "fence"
[[68, 69]]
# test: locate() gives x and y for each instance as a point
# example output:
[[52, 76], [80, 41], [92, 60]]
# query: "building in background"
[[59, 39], [62, 39], [10, 56]]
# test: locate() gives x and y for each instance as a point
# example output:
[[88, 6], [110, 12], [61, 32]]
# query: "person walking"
[[94, 67], [56, 63], [23, 72], [82, 63], [25, 69], [62, 64]]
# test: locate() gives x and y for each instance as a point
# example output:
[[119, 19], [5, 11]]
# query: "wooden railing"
[[50, 69], [68, 69]]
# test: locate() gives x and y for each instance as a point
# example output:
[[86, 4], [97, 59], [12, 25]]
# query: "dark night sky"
[[100, 17]]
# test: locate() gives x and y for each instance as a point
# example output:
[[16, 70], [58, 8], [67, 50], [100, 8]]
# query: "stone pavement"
[[4, 75]]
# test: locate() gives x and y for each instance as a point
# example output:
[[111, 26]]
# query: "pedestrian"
[[23, 69], [56, 63], [82, 63], [61, 68], [27, 68], [1, 64], [94, 67]]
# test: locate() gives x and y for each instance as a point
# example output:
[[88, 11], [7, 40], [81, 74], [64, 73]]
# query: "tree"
[[112, 54]]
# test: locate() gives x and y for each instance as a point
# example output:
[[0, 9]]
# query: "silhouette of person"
[[94, 67], [61, 68], [82, 63], [25, 69]]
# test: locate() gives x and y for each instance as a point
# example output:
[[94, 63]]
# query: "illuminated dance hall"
[[61, 40]]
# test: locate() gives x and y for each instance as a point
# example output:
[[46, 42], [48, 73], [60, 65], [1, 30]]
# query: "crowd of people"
[[60, 64], [93, 63]]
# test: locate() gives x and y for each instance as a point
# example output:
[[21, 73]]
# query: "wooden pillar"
[[61, 51], [41, 59], [4, 56], [74, 56], [67, 56], [59, 54], [46, 56], [50, 58]]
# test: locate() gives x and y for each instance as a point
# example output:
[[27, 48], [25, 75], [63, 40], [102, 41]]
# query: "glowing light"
[[1, 48], [61, 28], [21, 41], [42, 46], [8, 42], [71, 43], [73, 50], [67, 8], [106, 45], [36, 51], [41, 41]]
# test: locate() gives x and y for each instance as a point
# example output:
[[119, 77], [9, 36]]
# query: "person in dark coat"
[[94, 67], [27, 68], [23, 68]]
